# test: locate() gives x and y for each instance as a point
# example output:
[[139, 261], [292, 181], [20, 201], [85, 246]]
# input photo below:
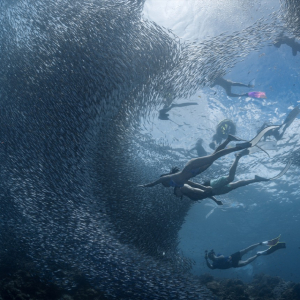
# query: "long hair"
[[172, 171]]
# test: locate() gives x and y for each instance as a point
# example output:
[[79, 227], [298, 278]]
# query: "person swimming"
[[199, 148], [235, 260], [224, 128], [289, 42], [278, 133], [198, 165], [221, 185], [228, 84], [163, 112]]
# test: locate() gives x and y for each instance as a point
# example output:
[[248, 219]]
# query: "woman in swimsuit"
[[198, 165], [219, 186]]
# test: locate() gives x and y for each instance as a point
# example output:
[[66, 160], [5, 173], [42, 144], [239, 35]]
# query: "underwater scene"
[[150, 149]]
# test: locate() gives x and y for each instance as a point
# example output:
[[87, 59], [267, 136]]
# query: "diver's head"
[[172, 171], [211, 255], [177, 192]]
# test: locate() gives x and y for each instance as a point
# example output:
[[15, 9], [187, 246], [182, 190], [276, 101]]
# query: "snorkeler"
[[198, 165], [224, 128], [289, 42], [227, 84], [235, 260], [163, 112], [222, 185], [279, 132], [199, 148]]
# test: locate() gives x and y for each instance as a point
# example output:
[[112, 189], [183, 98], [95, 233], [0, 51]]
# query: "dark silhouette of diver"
[[199, 148], [235, 260], [289, 42], [228, 84], [198, 165], [278, 133], [163, 112], [224, 128]]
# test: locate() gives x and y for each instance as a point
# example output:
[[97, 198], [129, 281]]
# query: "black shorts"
[[235, 258]]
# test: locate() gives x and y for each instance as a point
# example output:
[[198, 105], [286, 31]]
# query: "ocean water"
[[81, 86]]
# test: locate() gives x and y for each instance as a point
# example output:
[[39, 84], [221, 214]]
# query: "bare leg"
[[237, 184], [244, 251], [223, 145], [233, 168], [243, 263], [200, 164], [229, 92]]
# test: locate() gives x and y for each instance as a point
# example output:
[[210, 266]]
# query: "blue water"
[[81, 83]]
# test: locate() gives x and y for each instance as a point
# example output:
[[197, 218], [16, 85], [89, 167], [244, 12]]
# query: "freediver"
[[235, 260], [224, 128], [278, 133], [163, 112], [198, 165], [289, 42], [228, 84], [221, 185], [199, 148]]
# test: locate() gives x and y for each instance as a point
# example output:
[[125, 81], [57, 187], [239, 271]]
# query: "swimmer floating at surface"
[[279, 132], [235, 260], [199, 148], [163, 112], [289, 42], [228, 84], [222, 185], [198, 165], [224, 128]]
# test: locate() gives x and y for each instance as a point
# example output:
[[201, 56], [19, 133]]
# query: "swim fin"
[[256, 139], [283, 171], [272, 242], [279, 245], [252, 83], [291, 116]]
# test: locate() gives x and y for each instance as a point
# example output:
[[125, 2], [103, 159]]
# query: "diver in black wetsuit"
[[224, 128], [227, 84], [278, 133], [235, 260], [289, 42]]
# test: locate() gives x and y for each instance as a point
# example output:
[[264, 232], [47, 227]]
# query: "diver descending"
[[222, 185], [235, 260], [198, 165]]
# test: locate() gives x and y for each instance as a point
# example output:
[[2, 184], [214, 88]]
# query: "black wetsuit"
[[227, 262]]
